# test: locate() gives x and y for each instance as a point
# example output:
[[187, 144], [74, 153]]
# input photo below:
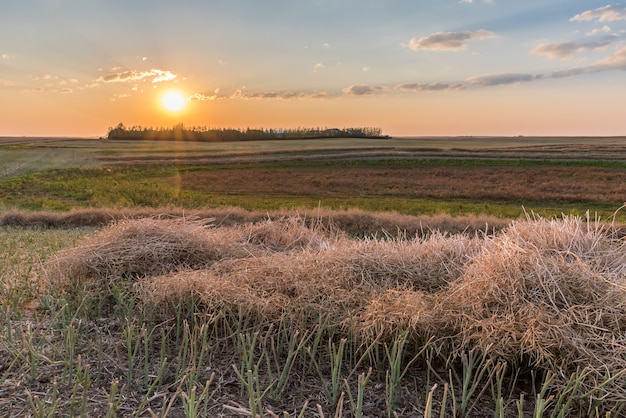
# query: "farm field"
[[489, 176], [381, 278]]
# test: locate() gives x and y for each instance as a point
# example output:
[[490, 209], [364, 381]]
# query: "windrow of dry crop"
[[354, 222], [542, 295]]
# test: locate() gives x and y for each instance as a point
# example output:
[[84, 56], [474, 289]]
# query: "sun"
[[173, 101]]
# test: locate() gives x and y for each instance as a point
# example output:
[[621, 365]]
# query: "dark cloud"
[[280, 95], [359, 90], [428, 87], [447, 41]]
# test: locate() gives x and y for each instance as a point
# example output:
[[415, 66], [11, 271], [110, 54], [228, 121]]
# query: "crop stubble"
[[500, 183]]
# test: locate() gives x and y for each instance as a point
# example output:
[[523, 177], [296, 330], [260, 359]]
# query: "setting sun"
[[174, 101]]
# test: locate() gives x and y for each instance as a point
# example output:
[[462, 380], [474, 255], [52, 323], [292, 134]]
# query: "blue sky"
[[70, 67]]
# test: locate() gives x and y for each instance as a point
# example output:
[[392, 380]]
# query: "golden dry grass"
[[548, 294]]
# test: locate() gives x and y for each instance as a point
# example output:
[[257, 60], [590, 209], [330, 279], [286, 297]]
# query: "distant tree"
[[180, 132]]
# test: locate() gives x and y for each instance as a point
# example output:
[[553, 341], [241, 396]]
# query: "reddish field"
[[534, 183]]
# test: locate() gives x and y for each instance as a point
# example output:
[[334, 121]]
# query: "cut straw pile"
[[543, 293]]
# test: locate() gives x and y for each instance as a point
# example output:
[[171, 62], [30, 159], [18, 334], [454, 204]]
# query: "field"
[[319, 278], [485, 176]]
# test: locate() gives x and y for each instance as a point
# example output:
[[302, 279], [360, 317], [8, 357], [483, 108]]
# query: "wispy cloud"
[[6, 56], [603, 29], [447, 41], [206, 96], [614, 62], [34, 90], [318, 67], [500, 79], [608, 13], [6, 83], [279, 95], [567, 50], [119, 96], [45, 77], [429, 87], [358, 90], [154, 74]]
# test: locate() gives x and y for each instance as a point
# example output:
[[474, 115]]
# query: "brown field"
[[533, 183]]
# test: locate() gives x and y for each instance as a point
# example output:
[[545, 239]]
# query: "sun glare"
[[174, 101]]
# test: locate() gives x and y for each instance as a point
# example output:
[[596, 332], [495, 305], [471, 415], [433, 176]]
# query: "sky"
[[409, 67]]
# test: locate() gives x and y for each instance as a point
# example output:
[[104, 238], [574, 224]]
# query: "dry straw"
[[545, 293], [355, 222], [337, 281], [146, 247]]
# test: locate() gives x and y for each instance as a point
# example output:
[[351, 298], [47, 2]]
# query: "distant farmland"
[[491, 176]]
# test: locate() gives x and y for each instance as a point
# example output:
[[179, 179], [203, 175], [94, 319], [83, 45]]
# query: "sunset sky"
[[410, 67]]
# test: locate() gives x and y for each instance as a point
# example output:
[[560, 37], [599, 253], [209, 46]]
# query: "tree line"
[[202, 133]]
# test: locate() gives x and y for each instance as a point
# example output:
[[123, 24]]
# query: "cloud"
[[202, 97], [447, 41], [318, 67], [614, 62], [608, 13], [156, 75], [472, 1], [6, 56], [359, 90], [68, 81], [428, 87], [6, 83], [567, 50], [617, 61], [603, 29], [161, 76], [46, 77], [279, 95], [206, 96], [500, 79], [120, 96]]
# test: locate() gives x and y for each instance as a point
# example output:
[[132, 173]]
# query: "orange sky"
[[470, 67]]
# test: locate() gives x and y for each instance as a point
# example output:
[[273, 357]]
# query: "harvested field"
[[149, 309], [460, 176], [540, 298], [499, 183]]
